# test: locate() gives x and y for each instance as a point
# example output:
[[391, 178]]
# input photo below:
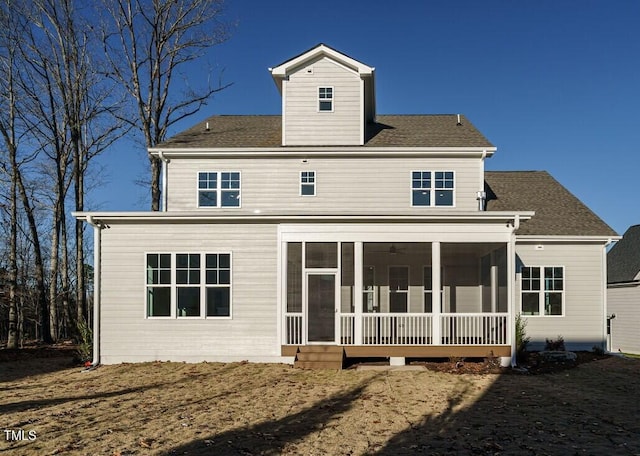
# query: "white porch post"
[[436, 280], [358, 259]]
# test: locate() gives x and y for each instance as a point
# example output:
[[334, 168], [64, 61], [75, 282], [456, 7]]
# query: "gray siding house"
[[331, 231], [624, 292]]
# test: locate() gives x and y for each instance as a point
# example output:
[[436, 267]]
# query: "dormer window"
[[325, 99]]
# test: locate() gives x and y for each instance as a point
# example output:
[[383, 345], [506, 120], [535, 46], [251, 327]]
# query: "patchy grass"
[[270, 409]]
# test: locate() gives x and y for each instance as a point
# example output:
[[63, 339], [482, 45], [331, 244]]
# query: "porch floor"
[[386, 351]]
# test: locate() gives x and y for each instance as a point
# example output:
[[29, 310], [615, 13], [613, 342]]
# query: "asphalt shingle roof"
[[389, 131], [557, 211], [623, 260]]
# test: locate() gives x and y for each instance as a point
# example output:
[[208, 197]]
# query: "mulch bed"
[[535, 364]]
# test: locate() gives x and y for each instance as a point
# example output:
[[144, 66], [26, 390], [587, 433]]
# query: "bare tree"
[[12, 26], [147, 43]]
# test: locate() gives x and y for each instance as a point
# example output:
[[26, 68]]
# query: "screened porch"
[[396, 294]]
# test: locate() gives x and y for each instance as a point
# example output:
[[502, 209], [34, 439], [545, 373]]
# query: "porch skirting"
[[413, 351]]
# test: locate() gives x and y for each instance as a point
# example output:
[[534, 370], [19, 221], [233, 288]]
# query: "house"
[[624, 292], [331, 231]]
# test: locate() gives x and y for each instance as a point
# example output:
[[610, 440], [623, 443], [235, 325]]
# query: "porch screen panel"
[[347, 277], [502, 304], [321, 254], [369, 298], [294, 277], [398, 288]]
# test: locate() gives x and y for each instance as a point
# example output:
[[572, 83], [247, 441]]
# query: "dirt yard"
[[48, 407]]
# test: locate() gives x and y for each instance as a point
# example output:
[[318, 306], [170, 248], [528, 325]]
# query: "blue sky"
[[555, 85]]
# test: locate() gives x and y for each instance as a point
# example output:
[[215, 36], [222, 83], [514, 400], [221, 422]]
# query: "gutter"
[[325, 151], [607, 337], [208, 216], [97, 272]]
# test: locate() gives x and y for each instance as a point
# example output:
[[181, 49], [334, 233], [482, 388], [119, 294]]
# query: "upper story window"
[[325, 99], [432, 188], [307, 183], [219, 189], [542, 290]]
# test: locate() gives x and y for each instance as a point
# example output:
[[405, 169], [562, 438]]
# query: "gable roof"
[[623, 260], [388, 131], [320, 50], [557, 211]]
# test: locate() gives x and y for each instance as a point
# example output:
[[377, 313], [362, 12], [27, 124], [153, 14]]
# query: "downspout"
[[511, 273], [608, 337], [165, 161], [97, 246]]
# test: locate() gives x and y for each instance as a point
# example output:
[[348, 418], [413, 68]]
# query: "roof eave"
[[321, 151], [551, 238], [260, 217]]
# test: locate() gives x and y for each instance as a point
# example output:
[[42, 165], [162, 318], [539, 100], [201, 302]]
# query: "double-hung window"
[[158, 284], [188, 285], [542, 290], [188, 273], [219, 189], [432, 188], [218, 284], [325, 99], [307, 183]]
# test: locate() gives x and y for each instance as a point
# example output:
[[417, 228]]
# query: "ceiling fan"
[[392, 250]]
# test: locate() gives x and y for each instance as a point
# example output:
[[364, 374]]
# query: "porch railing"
[[474, 329], [411, 329], [293, 329], [396, 329]]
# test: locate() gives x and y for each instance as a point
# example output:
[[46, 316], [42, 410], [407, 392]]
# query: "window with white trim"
[[307, 183], [218, 284], [158, 284], [188, 285], [542, 290], [188, 281], [432, 188], [219, 189], [325, 99]]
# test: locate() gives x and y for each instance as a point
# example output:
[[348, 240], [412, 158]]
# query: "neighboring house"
[[624, 292], [333, 229]]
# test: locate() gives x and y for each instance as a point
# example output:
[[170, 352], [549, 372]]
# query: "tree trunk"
[[41, 289], [68, 328], [81, 293], [12, 340], [156, 171], [53, 275]]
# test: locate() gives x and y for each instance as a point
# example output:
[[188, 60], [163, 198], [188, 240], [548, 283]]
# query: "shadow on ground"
[[570, 412], [272, 437]]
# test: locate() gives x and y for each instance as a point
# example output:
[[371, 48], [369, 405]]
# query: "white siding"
[[625, 303], [582, 325], [342, 184], [128, 336], [304, 124]]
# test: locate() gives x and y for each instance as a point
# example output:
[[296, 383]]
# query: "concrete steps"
[[319, 357]]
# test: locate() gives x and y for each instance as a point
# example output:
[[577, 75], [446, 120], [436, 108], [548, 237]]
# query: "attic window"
[[325, 99]]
